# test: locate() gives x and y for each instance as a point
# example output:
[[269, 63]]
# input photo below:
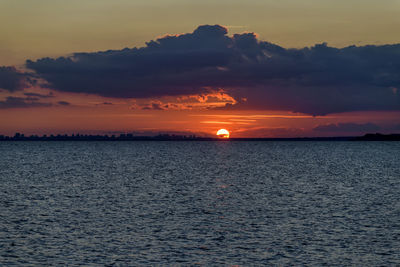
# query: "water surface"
[[207, 203]]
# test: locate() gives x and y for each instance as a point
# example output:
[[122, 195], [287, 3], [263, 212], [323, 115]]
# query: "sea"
[[189, 203]]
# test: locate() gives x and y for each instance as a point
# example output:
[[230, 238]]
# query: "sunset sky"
[[258, 68]]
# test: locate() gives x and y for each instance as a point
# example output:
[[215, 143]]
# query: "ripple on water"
[[207, 203]]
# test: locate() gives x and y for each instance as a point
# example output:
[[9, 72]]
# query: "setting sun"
[[223, 133]]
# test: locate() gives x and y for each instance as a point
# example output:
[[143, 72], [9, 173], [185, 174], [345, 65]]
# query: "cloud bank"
[[348, 127], [22, 102], [260, 75], [11, 80]]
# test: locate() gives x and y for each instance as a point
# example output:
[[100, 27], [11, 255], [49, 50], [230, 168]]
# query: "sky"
[[257, 68]]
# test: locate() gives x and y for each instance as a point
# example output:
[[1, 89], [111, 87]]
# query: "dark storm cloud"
[[348, 127], [316, 80], [21, 102], [10, 79]]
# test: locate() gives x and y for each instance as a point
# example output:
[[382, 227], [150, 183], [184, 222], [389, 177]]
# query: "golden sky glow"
[[33, 29]]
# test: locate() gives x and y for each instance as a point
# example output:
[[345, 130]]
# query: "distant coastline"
[[167, 137]]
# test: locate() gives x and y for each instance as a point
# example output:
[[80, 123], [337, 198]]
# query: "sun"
[[223, 133]]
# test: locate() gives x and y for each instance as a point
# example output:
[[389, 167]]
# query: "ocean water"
[[200, 203]]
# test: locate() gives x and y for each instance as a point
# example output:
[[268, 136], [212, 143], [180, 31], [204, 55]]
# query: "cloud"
[[281, 132], [30, 94], [315, 80], [63, 103], [396, 127], [11, 80], [348, 127], [21, 102], [188, 102], [155, 105]]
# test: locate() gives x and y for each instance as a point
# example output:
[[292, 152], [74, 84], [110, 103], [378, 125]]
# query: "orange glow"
[[90, 114], [223, 133]]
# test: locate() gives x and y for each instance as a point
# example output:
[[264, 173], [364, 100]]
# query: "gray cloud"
[[271, 132], [30, 94], [63, 103], [21, 102], [156, 105], [396, 127], [348, 127], [317, 80], [10, 79]]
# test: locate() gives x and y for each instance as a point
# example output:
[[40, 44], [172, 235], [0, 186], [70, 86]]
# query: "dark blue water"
[[207, 203]]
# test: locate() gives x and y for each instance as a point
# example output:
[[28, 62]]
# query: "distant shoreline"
[[166, 137]]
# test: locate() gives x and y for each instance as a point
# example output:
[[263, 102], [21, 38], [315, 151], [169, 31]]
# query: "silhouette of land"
[[168, 137]]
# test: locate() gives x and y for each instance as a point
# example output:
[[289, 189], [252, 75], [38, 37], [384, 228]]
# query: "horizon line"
[[193, 137]]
